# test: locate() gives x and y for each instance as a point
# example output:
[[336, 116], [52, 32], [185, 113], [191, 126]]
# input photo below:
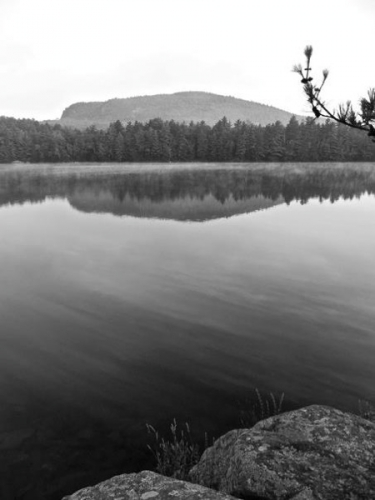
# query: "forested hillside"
[[180, 107], [169, 141]]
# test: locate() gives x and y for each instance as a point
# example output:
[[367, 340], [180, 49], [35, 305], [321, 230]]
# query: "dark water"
[[139, 293]]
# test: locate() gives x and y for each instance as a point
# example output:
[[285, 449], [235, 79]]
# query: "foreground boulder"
[[315, 453], [146, 485]]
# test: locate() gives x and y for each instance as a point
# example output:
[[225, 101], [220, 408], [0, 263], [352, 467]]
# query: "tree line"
[[168, 141]]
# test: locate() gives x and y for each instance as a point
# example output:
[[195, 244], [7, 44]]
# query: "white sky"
[[57, 52]]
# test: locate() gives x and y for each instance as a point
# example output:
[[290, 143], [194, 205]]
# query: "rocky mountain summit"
[[314, 453]]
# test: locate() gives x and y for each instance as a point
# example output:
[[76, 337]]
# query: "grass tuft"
[[177, 453], [176, 456], [260, 407], [366, 410]]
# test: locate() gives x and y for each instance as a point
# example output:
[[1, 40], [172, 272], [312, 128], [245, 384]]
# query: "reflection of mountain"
[[182, 209], [185, 193]]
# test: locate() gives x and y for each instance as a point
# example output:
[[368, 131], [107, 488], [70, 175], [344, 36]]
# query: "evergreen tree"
[[164, 141]]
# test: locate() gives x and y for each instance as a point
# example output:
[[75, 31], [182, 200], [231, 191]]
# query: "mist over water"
[[140, 293]]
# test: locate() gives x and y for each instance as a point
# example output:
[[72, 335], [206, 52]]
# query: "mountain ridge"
[[185, 106]]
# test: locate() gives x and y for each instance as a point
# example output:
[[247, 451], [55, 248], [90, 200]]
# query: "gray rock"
[[315, 453], [146, 485]]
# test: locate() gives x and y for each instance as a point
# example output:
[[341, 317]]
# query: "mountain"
[[181, 106]]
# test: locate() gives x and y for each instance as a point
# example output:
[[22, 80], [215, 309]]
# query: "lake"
[[139, 293]]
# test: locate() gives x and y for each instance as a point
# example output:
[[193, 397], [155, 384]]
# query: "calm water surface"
[[138, 293]]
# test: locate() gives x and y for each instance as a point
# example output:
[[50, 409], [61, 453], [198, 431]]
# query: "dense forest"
[[168, 141]]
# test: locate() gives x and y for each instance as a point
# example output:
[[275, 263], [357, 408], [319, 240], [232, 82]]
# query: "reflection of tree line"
[[222, 184]]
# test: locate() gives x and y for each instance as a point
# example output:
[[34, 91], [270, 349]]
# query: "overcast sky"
[[57, 52]]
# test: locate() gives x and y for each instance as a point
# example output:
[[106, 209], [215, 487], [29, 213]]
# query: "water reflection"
[[110, 322], [183, 193]]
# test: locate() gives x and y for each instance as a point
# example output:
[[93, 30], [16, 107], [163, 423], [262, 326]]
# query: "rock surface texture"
[[146, 485], [315, 453]]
